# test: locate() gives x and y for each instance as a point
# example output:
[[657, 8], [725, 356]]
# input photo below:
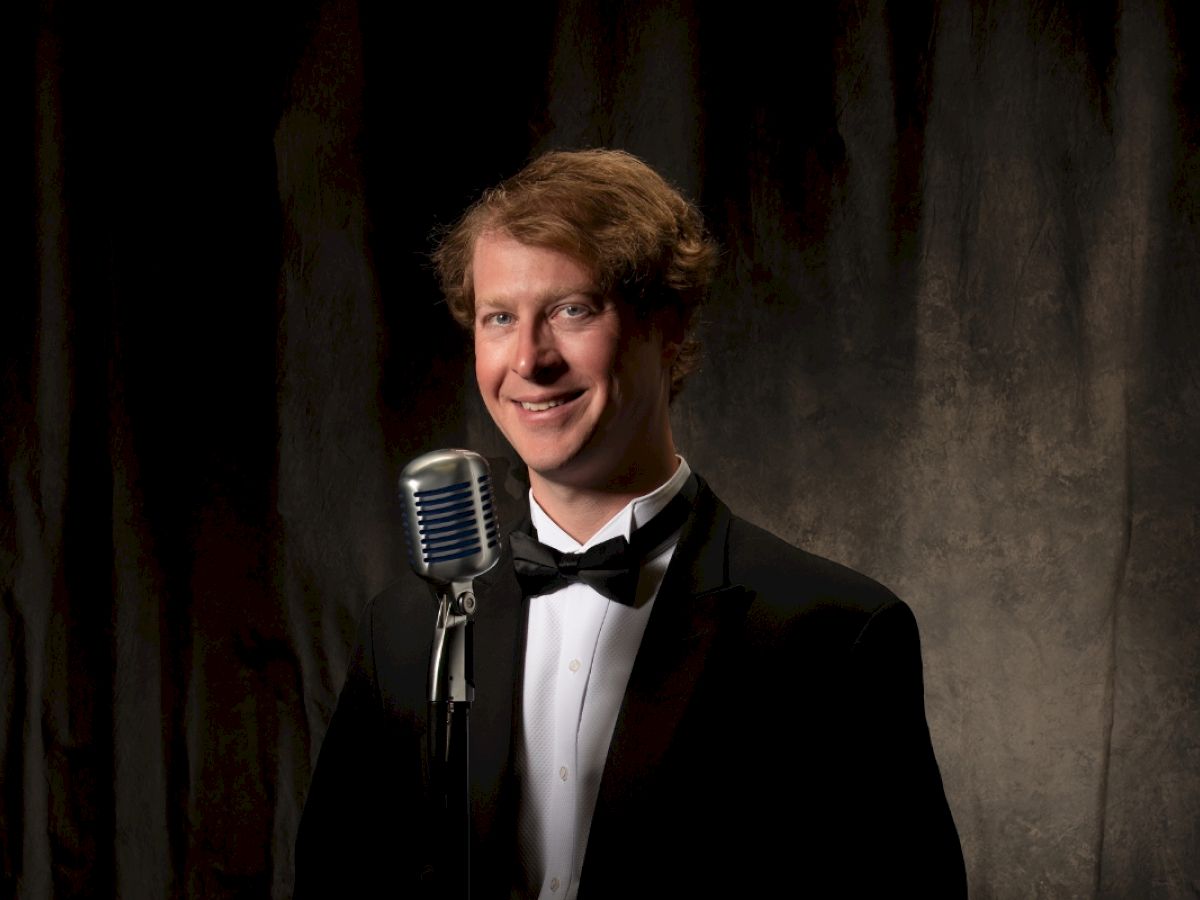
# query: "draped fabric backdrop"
[[952, 344]]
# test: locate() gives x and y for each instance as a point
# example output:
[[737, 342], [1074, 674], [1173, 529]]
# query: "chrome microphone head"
[[449, 516]]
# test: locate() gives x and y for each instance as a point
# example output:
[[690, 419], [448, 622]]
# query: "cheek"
[[601, 359], [485, 366]]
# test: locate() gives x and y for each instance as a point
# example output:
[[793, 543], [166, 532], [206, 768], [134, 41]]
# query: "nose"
[[536, 356]]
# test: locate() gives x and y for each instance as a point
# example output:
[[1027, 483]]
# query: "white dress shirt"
[[580, 649]]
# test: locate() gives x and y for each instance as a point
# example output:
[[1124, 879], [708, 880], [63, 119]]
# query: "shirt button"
[[562, 773], [574, 665], [554, 884]]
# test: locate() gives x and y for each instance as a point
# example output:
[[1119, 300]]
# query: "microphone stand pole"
[[451, 691]]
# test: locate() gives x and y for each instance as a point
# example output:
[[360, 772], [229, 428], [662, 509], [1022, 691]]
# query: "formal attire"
[[582, 642], [771, 738]]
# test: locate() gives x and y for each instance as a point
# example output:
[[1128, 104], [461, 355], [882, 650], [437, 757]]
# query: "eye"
[[503, 319], [573, 311]]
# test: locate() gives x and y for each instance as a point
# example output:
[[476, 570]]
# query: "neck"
[[581, 511]]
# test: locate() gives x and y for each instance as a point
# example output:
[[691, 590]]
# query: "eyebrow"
[[551, 295]]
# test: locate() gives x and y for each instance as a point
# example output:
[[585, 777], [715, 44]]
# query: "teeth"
[[538, 407]]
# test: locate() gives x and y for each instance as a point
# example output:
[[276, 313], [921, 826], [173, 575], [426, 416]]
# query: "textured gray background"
[[952, 344]]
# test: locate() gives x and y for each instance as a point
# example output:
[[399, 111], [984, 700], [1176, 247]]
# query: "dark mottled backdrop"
[[953, 344]]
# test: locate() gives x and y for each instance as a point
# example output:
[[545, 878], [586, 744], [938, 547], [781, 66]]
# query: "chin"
[[558, 470], [552, 459], [586, 474]]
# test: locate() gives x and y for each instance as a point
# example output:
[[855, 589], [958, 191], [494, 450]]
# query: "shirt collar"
[[636, 513]]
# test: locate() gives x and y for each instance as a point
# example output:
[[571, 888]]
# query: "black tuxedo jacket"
[[772, 739]]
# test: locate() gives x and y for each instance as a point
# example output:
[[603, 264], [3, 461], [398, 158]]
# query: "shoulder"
[[776, 569], [807, 612], [790, 586]]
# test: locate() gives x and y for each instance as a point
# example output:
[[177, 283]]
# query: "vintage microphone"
[[453, 537]]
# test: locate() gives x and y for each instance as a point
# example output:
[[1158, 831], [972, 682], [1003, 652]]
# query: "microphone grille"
[[450, 523]]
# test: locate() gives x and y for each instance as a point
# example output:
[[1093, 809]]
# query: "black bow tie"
[[612, 567]]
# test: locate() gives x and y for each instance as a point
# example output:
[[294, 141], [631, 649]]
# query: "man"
[[739, 719]]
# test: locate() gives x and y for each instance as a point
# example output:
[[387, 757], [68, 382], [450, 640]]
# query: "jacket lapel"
[[695, 604]]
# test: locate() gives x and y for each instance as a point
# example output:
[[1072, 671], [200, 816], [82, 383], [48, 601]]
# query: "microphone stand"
[[451, 691]]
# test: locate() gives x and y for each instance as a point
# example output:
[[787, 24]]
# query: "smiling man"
[[670, 701]]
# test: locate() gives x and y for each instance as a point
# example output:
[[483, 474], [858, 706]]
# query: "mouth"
[[543, 405]]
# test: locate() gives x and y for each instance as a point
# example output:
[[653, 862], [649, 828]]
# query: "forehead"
[[503, 269]]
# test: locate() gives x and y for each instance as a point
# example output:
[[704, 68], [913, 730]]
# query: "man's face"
[[576, 382]]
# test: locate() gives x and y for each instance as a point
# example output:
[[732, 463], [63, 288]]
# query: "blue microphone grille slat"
[[457, 525], [444, 534], [448, 515], [428, 520], [447, 546], [457, 537], [447, 502], [454, 550], [433, 492], [452, 556], [449, 499]]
